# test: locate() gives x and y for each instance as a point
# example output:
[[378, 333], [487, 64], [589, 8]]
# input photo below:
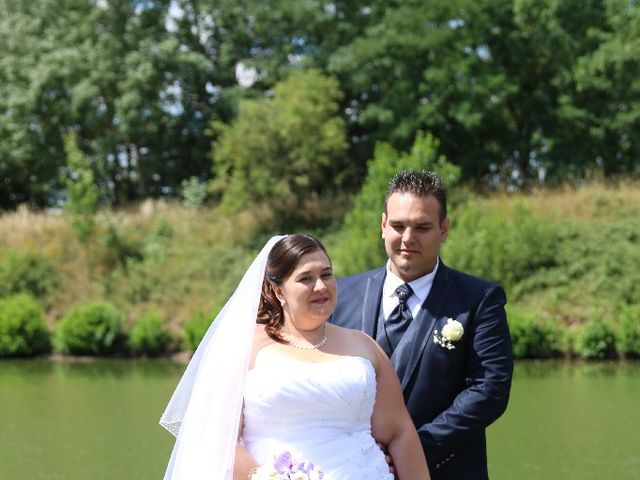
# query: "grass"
[[158, 255]]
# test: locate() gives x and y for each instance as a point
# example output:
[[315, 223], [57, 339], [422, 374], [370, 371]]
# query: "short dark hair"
[[420, 183], [282, 261]]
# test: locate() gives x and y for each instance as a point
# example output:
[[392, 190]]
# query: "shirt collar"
[[421, 286]]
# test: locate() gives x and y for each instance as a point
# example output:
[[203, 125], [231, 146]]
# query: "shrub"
[[193, 192], [23, 331], [120, 247], [596, 340], [92, 329], [26, 272], [149, 335], [194, 330], [81, 189], [629, 331], [533, 338], [503, 248]]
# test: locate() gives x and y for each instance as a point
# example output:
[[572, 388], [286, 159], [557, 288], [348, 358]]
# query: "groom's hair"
[[282, 261], [420, 183]]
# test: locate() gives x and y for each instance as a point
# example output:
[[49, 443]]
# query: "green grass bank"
[[567, 257]]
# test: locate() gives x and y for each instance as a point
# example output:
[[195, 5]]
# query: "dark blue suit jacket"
[[452, 395]]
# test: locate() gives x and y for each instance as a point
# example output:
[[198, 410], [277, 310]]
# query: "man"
[[445, 331]]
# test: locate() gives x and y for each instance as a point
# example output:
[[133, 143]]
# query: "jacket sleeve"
[[487, 379]]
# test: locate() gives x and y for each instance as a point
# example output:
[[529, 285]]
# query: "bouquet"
[[285, 467]]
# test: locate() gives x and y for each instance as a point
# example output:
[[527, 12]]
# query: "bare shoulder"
[[352, 342], [260, 339]]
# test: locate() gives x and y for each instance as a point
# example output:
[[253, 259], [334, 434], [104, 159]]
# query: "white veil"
[[204, 411]]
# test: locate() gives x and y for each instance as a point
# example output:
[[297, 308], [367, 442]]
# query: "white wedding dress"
[[319, 412]]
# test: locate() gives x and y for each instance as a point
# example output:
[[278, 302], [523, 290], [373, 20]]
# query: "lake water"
[[98, 420]]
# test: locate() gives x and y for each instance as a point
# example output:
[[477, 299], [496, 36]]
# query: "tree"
[[139, 96], [602, 110], [282, 149]]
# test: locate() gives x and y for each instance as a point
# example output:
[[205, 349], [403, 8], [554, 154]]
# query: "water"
[[98, 420], [569, 421]]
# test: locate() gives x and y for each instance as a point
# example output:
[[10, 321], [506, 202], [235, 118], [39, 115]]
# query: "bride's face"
[[308, 295]]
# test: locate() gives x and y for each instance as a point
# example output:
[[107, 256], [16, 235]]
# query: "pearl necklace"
[[309, 347]]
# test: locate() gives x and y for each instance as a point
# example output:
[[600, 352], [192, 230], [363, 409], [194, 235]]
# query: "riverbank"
[[567, 258]]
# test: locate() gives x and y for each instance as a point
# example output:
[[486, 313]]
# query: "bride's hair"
[[282, 261]]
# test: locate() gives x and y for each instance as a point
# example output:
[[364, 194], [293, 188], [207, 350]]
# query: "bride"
[[272, 378]]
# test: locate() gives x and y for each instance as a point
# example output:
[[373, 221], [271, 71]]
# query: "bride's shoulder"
[[356, 343], [260, 339]]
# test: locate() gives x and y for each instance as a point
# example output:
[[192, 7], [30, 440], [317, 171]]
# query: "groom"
[[445, 331]]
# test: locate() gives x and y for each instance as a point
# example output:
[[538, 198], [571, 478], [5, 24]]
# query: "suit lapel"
[[406, 357], [372, 301]]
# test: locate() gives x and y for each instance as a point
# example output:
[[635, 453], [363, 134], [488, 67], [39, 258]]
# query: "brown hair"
[[420, 183], [282, 261]]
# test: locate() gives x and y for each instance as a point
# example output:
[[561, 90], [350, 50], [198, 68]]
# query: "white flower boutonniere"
[[451, 332]]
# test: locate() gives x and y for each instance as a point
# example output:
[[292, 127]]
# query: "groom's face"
[[412, 233]]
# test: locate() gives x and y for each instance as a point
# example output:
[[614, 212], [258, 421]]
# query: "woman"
[[315, 390]]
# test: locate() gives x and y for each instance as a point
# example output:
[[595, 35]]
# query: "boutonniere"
[[451, 332]]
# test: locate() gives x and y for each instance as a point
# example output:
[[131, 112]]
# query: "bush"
[[23, 331], [596, 340], [629, 331], [92, 329], [505, 249], [194, 330], [26, 272], [149, 335], [532, 338], [193, 192]]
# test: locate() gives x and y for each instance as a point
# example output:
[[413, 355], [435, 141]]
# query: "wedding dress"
[[319, 412]]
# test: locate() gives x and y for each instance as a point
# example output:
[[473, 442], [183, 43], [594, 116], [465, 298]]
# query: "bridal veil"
[[204, 411]]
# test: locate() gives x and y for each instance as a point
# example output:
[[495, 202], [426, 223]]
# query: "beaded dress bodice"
[[319, 412]]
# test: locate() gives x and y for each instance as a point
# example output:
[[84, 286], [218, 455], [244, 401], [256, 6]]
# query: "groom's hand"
[[387, 458]]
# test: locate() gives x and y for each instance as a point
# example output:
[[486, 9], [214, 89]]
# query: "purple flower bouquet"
[[285, 467]]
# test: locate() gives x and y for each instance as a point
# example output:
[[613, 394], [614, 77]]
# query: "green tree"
[[138, 94], [482, 76], [601, 111], [281, 149]]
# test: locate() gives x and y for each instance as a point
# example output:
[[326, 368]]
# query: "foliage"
[[27, 271], [532, 338], [358, 246], [280, 150], [194, 331], [194, 192], [596, 340], [82, 192], [510, 87], [121, 247], [92, 329], [513, 246], [179, 263], [134, 91], [149, 335], [594, 260], [629, 331], [23, 331], [517, 91]]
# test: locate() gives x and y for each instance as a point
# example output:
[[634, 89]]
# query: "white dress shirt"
[[421, 287]]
